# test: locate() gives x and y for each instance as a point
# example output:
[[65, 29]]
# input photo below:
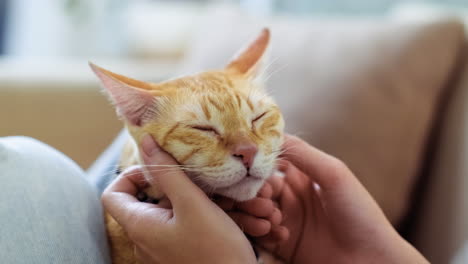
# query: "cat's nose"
[[246, 153]]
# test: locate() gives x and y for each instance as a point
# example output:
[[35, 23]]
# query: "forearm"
[[409, 254], [395, 249]]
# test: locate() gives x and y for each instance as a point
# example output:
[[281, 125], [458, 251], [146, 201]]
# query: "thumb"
[[173, 182]]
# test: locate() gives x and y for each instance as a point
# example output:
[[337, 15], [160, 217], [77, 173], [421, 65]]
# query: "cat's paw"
[[151, 194], [143, 197]]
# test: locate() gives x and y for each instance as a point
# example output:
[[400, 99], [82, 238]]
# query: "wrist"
[[410, 254], [401, 251], [246, 260]]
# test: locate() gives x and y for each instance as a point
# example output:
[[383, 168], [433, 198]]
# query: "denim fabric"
[[3, 20], [103, 171], [49, 212]]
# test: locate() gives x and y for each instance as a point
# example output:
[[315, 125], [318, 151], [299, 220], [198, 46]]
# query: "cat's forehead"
[[216, 95], [211, 81], [223, 91]]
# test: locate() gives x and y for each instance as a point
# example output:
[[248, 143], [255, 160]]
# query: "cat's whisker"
[[122, 169], [295, 154], [212, 191], [138, 172], [164, 169], [203, 185], [282, 67], [265, 70], [171, 166], [267, 67], [250, 92], [280, 152], [280, 161]]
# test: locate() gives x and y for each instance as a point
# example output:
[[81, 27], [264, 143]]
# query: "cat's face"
[[224, 128], [221, 125]]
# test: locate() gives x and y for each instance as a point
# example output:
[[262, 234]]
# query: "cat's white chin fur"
[[244, 190]]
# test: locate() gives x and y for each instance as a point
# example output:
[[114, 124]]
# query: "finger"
[[164, 203], [259, 207], [326, 170], [282, 164], [276, 236], [337, 184], [276, 217], [266, 242], [180, 190], [279, 233], [122, 191], [266, 191], [130, 181], [276, 184], [251, 225], [341, 193], [297, 180], [119, 197]]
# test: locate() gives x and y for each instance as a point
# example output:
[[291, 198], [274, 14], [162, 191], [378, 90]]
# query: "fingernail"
[[149, 146]]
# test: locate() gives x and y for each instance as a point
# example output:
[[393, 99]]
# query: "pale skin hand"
[[338, 222], [259, 217], [194, 230]]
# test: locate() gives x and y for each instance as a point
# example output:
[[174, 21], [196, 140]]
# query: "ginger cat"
[[220, 125]]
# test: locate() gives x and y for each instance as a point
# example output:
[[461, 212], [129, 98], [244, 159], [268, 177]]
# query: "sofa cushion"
[[364, 91], [440, 231]]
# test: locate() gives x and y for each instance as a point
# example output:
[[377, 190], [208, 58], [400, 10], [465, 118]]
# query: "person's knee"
[[29, 161], [46, 193]]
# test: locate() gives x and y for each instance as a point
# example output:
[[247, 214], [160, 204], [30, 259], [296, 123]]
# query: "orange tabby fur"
[[199, 120]]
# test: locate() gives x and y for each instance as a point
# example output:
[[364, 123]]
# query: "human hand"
[[194, 230], [258, 217], [330, 216]]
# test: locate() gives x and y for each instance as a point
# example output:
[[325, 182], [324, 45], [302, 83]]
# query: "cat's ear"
[[249, 60], [132, 99]]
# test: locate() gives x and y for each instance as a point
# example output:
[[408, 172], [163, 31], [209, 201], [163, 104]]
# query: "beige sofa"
[[387, 97], [60, 102]]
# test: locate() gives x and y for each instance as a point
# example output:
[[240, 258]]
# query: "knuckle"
[[105, 198]]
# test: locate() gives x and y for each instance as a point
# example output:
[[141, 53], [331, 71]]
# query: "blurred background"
[[45, 46], [154, 29]]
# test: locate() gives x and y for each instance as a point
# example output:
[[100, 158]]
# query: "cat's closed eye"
[[208, 129], [258, 117]]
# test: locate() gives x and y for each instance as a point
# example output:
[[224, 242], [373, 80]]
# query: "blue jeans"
[[49, 211]]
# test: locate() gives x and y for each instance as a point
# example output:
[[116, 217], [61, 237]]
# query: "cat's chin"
[[244, 190]]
